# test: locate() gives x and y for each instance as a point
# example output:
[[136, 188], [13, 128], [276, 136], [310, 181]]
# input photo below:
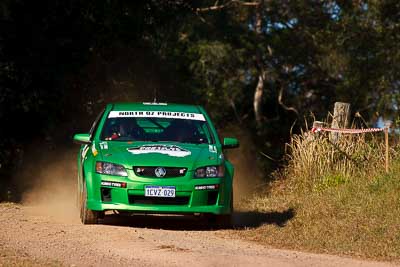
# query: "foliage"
[[222, 76]]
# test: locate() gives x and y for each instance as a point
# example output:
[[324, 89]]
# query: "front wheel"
[[87, 216], [220, 221], [224, 221]]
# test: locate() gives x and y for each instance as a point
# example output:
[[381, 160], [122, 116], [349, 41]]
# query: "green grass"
[[343, 204]]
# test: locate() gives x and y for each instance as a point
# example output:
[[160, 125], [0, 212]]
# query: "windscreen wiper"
[[156, 123]]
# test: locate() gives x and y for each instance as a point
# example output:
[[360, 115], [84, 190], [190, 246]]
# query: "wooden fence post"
[[387, 149], [341, 119], [318, 124]]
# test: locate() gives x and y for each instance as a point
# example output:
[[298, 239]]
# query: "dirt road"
[[51, 239]]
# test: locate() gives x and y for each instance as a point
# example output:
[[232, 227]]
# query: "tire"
[[224, 221], [87, 216]]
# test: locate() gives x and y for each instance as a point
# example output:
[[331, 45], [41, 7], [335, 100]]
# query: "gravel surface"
[[31, 235]]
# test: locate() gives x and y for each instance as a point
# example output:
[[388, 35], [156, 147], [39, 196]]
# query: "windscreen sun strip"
[[157, 114]]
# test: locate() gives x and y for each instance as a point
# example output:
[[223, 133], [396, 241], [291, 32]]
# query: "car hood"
[[163, 154]]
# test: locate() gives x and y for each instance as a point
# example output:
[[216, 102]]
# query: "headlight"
[[110, 169], [210, 172]]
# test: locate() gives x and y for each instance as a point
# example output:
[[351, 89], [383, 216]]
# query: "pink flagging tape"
[[348, 131]]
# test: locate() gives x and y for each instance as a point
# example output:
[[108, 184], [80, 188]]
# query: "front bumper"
[[131, 198]]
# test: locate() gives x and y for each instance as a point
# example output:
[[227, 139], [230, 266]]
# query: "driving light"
[[110, 168], [113, 184], [207, 187], [210, 172]]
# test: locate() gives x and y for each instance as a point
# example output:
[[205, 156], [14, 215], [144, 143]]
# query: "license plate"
[[159, 191]]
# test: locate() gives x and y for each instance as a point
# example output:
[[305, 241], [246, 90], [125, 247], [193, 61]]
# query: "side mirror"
[[82, 139], [230, 143]]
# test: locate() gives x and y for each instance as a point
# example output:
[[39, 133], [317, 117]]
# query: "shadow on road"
[[256, 219], [198, 223]]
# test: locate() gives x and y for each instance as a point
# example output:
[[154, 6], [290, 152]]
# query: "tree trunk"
[[258, 94]]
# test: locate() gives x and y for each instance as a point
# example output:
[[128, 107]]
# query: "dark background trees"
[[61, 61]]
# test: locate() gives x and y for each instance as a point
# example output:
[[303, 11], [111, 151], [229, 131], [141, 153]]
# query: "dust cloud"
[[248, 176], [48, 182]]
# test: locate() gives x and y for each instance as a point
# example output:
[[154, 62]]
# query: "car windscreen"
[[156, 130]]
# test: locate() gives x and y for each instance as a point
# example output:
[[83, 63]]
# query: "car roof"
[[155, 107]]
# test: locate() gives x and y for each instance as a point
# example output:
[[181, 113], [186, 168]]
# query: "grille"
[[158, 200], [212, 198], [150, 171], [106, 194]]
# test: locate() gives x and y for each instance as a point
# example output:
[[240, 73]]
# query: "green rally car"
[[154, 158]]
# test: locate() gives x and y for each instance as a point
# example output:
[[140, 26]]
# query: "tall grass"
[[316, 161], [342, 199]]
